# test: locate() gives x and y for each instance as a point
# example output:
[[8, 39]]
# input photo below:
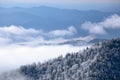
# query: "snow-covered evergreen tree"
[[100, 62]]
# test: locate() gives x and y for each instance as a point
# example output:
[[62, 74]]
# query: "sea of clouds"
[[21, 46]]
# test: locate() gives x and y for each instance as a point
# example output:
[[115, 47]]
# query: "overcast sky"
[[76, 4]]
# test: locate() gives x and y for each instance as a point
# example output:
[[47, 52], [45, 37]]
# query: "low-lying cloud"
[[18, 34], [18, 30], [70, 31], [13, 34], [112, 22], [18, 45], [13, 56]]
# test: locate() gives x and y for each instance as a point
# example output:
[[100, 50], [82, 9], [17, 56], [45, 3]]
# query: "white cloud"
[[93, 28], [18, 30], [13, 56], [4, 40], [112, 22], [18, 45], [68, 32], [20, 35], [12, 34]]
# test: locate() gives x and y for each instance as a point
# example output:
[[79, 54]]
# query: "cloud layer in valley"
[[18, 45], [14, 56]]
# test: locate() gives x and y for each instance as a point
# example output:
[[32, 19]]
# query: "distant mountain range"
[[49, 18], [99, 62]]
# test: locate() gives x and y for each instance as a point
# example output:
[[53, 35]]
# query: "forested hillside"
[[100, 62]]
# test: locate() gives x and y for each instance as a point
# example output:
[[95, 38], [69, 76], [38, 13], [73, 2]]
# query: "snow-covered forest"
[[99, 62]]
